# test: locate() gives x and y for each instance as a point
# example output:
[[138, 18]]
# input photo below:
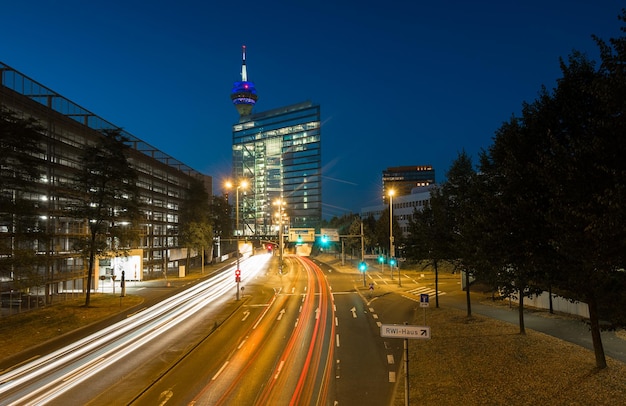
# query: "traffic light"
[[324, 239], [238, 275], [392, 261], [270, 247], [362, 266], [381, 259], [299, 239]]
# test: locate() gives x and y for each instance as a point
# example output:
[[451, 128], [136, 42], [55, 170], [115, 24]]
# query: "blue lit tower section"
[[244, 95]]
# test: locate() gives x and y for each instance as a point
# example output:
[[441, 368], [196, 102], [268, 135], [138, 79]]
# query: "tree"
[[107, 198], [586, 147], [220, 216], [195, 225], [20, 228], [430, 237], [462, 201], [510, 218]]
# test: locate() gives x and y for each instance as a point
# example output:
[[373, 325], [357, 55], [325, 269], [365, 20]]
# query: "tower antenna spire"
[[244, 72], [243, 94]]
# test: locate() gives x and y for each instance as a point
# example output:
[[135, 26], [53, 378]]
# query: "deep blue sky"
[[399, 82]]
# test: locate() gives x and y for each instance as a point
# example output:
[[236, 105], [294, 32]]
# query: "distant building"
[[279, 153], [402, 179], [403, 207], [163, 182]]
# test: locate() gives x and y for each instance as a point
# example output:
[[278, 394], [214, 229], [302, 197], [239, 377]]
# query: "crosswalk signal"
[[238, 275]]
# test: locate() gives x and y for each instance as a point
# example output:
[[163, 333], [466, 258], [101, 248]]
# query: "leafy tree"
[[510, 218], [381, 233], [195, 225], [107, 198], [220, 216], [461, 199], [430, 237], [353, 244], [586, 147], [20, 231]]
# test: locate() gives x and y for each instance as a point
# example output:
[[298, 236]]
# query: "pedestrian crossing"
[[425, 290]]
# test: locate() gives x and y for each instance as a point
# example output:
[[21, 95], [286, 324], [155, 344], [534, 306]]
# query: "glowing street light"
[[242, 185], [392, 252]]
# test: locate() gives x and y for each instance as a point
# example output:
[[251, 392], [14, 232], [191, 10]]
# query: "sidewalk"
[[562, 326]]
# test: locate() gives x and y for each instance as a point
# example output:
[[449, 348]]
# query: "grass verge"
[[481, 361], [27, 329]]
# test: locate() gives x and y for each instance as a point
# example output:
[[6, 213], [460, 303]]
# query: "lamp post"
[[242, 185], [392, 252], [280, 203]]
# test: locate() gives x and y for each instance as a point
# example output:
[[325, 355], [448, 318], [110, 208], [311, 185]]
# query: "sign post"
[[405, 331]]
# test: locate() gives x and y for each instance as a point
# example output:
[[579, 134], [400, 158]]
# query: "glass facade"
[[279, 153], [162, 180], [402, 179]]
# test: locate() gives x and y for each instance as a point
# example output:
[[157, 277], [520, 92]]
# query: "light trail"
[[44, 379]]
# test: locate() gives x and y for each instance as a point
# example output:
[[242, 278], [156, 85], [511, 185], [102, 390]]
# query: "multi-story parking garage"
[[67, 128]]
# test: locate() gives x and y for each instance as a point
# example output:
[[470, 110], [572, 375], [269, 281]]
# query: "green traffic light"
[[362, 266]]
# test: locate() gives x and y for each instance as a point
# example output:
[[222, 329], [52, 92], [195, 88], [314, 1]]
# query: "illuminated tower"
[[244, 94]]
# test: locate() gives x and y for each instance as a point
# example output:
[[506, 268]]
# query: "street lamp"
[[281, 204], [392, 252], [242, 185]]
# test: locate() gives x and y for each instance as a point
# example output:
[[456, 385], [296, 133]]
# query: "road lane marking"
[[220, 371], [337, 340], [392, 376], [280, 367], [390, 359]]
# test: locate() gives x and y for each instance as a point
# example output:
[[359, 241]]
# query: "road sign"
[[405, 331], [302, 234], [423, 299], [331, 233]]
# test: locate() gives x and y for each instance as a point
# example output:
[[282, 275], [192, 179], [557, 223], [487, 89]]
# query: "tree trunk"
[[92, 256], [467, 294], [436, 285], [594, 322], [522, 328]]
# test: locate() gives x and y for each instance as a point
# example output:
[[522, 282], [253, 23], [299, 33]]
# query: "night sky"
[[399, 82]]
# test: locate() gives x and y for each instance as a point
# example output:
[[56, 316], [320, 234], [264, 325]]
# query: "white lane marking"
[[220, 371]]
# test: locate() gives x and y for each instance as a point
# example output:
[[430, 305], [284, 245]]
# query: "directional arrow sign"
[[405, 331], [280, 315], [353, 310]]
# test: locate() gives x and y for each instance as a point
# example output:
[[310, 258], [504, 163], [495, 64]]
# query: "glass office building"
[[403, 179], [279, 153]]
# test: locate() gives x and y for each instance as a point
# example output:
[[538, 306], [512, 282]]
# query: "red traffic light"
[[238, 272]]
